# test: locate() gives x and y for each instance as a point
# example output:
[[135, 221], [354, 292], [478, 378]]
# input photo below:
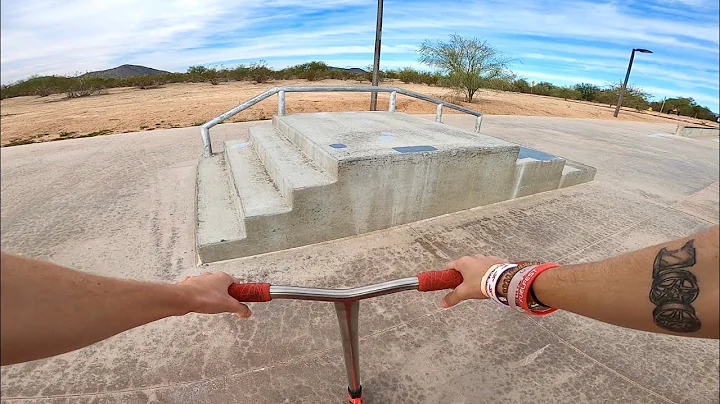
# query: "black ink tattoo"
[[674, 287]]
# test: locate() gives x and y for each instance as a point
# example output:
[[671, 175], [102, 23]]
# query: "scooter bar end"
[[250, 292], [439, 280]]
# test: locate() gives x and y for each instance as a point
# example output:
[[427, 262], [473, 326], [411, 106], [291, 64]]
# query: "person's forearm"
[[669, 288], [48, 309]]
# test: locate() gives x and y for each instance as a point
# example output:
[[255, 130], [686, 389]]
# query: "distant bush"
[[412, 76], [588, 92], [521, 86], [259, 72], [83, 86], [145, 82], [408, 75], [567, 93], [311, 71]]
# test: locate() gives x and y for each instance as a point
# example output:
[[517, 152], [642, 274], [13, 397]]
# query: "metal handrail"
[[280, 91]]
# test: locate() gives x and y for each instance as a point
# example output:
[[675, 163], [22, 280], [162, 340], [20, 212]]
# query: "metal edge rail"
[[205, 128]]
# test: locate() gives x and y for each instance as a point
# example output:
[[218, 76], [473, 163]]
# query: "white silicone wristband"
[[512, 290]]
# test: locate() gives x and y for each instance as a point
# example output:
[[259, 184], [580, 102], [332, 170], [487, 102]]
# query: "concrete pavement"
[[122, 205]]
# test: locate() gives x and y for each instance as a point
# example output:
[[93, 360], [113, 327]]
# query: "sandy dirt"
[[181, 105]]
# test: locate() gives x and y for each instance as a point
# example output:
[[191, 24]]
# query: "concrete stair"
[[308, 178]]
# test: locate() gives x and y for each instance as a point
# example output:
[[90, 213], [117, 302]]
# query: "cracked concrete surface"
[[123, 205]]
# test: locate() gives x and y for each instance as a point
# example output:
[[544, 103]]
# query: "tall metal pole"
[[376, 60], [624, 86]]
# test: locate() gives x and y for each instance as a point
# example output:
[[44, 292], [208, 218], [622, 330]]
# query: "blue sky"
[[560, 41]]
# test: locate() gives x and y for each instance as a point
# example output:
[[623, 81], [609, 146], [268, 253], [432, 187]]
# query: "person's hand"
[[208, 294], [472, 269]]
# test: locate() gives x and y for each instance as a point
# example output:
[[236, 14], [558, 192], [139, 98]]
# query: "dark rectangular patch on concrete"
[[535, 154], [413, 149], [338, 146]]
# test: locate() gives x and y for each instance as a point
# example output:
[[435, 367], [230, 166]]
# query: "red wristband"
[[523, 290]]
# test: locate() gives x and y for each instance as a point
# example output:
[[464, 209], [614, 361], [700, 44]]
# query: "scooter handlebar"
[[439, 280], [423, 282], [250, 292]]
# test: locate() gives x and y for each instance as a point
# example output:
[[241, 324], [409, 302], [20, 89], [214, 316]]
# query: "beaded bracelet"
[[506, 281], [494, 280]]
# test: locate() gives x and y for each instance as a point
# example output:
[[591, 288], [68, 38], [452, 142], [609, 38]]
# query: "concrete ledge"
[[697, 131], [575, 173], [533, 176], [217, 220], [315, 177]]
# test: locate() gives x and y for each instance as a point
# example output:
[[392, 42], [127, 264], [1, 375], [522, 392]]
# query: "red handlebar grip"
[[250, 292], [439, 280]]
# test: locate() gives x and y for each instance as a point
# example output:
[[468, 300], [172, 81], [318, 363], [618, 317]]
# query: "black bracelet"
[[532, 294]]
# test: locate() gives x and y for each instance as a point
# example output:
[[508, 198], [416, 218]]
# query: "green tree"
[[467, 62], [544, 88], [588, 92], [635, 97], [521, 86], [566, 93], [685, 106]]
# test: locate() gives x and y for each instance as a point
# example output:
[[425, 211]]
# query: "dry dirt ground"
[[180, 105]]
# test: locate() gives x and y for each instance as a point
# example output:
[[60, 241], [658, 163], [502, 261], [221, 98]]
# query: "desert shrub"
[[239, 73], [520, 86], [311, 71], [84, 87], [44, 91], [408, 75], [684, 106], [544, 88], [588, 92], [567, 93], [145, 82], [338, 74], [259, 72]]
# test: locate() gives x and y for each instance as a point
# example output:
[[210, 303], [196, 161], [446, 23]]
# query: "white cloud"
[[557, 41]]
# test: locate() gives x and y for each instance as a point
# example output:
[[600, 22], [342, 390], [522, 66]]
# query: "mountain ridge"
[[124, 71]]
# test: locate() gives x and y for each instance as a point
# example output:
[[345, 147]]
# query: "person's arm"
[[47, 309], [670, 288]]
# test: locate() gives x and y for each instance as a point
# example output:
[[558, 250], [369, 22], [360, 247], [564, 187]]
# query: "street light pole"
[[627, 77], [376, 60]]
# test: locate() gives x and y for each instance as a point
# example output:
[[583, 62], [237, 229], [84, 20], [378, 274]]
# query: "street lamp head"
[[643, 50]]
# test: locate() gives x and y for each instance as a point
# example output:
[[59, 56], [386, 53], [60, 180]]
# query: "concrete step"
[[575, 173], [337, 140], [309, 178], [218, 221], [291, 170], [255, 191], [537, 171]]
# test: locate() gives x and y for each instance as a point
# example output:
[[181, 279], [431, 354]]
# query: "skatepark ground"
[[123, 205]]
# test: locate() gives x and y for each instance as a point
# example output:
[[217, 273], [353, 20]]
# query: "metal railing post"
[[281, 103], [393, 98], [478, 121], [438, 114], [207, 146]]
